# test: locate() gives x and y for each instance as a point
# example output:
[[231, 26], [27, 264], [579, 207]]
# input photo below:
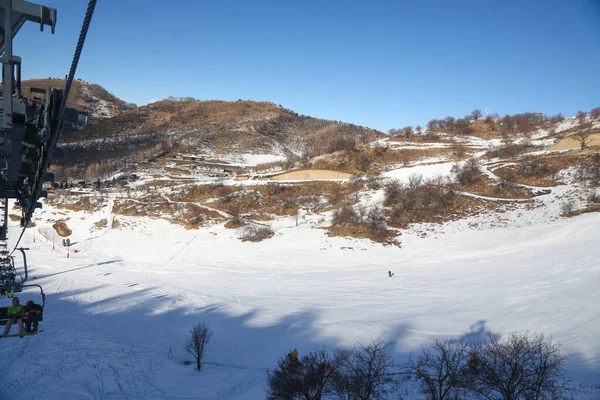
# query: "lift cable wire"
[[84, 29]]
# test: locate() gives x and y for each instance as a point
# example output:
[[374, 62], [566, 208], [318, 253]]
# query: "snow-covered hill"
[[121, 305]]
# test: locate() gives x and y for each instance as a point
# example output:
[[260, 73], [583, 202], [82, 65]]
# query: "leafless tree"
[[439, 369], [363, 162], [581, 116], [466, 173], [476, 114], [310, 379], [418, 129], [256, 233], [583, 138], [595, 113], [200, 336], [567, 207], [522, 366], [365, 373], [407, 131], [394, 192], [415, 181], [344, 215]]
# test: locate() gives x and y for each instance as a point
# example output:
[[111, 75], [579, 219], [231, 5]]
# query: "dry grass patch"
[[190, 216], [483, 185], [103, 223], [553, 165], [62, 229], [77, 202], [234, 224], [374, 160], [198, 193], [160, 183], [365, 231], [284, 200], [14, 217], [116, 224]]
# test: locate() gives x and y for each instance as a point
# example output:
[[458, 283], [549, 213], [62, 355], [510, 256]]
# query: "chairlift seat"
[[4, 315]]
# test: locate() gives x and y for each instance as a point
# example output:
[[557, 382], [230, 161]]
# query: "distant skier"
[[390, 274]]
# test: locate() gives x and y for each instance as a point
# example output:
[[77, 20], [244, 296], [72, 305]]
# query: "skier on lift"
[[33, 314], [16, 312]]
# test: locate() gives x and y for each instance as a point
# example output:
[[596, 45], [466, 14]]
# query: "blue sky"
[[382, 64]]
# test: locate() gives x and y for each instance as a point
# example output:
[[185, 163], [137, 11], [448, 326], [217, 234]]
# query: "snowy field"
[[118, 307]]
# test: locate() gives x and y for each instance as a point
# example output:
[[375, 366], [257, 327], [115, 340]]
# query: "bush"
[[363, 162], [466, 173], [274, 188], [440, 370], [519, 367], [342, 143], [256, 233], [345, 215], [567, 207], [310, 379], [364, 373], [374, 182], [531, 166]]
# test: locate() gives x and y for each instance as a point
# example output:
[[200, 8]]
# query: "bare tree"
[[365, 373], [476, 114], [581, 116], [522, 366], [415, 181], [583, 138], [344, 215], [439, 369], [310, 379], [595, 113], [200, 336]]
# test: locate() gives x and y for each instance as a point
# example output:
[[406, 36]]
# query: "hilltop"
[[84, 96]]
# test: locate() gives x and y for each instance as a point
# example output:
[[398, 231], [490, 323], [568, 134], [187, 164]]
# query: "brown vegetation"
[[61, 228], [103, 223], [374, 160]]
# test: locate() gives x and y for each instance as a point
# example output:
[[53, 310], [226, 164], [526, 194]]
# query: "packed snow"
[[120, 307]]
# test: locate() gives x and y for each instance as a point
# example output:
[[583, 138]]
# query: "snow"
[[127, 298], [428, 171], [120, 308]]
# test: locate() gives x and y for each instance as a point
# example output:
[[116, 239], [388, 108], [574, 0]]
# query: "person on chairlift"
[[16, 312], [33, 314]]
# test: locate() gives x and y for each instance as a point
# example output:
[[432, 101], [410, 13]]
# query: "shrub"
[[374, 182], [345, 215], [256, 233], [519, 367], [440, 369], [567, 207], [364, 373], [531, 166], [310, 379], [466, 173]]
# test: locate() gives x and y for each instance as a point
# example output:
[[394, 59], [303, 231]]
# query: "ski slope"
[[120, 309]]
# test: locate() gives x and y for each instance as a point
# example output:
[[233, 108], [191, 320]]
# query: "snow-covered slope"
[[119, 310]]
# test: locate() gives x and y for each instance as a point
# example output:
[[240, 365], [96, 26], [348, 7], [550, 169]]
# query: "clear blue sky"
[[382, 64]]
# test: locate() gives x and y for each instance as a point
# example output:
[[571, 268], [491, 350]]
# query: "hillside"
[[485, 232], [84, 96], [214, 129]]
